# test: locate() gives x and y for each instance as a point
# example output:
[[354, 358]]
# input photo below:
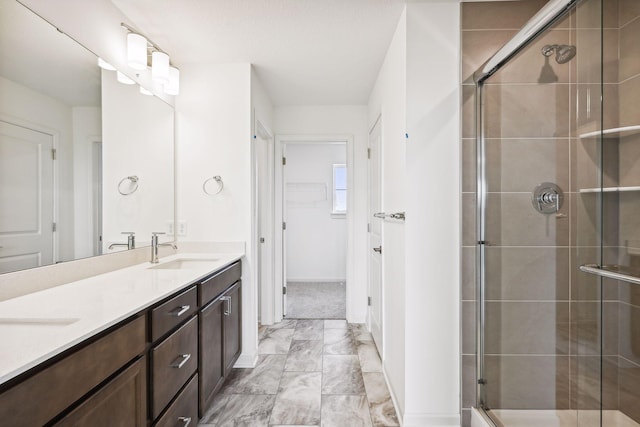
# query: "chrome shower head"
[[564, 52]]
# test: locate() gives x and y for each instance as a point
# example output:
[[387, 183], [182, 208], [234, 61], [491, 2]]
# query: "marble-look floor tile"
[[381, 407], [309, 330], [263, 379], [298, 399], [217, 407], [339, 341], [342, 411], [336, 324], [369, 358], [341, 375], [261, 331], [275, 341], [244, 410], [304, 356], [284, 324], [360, 332]]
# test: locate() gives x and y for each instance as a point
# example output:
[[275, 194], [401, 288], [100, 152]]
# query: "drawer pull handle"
[[179, 311], [185, 420], [180, 361], [227, 310]]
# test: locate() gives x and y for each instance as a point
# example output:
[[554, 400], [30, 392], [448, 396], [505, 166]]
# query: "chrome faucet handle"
[[131, 233], [155, 233]]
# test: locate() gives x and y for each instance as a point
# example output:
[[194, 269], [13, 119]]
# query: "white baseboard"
[[246, 361], [394, 399], [431, 420]]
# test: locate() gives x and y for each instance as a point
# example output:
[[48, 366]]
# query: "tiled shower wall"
[[545, 318]]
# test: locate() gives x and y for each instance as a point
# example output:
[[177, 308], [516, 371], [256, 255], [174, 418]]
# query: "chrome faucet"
[[131, 241], [155, 245]]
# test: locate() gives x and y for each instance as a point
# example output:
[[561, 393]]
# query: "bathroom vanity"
[[144, 345]]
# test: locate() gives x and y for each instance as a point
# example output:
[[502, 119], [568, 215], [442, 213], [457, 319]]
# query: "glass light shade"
[[123, 78], [145, 91], [160, 67], [105, 65], [136, 51], [173, 87]]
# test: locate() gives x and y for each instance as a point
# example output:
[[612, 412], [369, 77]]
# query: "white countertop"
[[38, 326]]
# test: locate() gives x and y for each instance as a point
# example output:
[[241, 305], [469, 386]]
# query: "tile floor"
[[309, 373]]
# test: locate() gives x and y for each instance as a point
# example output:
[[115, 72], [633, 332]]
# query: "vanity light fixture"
[[140, 49], [122, 78], [136, 51], [160, 67], [105, 65], [145, 91], [173, 87]]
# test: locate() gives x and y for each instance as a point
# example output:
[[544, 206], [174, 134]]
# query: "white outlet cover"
[[169, 227]]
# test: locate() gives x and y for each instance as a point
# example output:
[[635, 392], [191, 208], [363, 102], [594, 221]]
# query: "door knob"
[[378, 249]]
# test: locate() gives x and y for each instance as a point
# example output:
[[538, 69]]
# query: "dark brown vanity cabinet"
[[161, 367], [220, 331]]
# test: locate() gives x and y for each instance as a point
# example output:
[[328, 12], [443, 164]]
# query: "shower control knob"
[[547, 198]]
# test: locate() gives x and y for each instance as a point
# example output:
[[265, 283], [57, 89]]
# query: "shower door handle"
[[378, 249], [603, 272]]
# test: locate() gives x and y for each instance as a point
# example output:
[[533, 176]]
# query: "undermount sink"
[[32, 321], [185, 264]]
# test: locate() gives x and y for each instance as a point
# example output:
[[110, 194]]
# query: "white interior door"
[[284, 231], [375, 237], [263, 150], [26, 191]]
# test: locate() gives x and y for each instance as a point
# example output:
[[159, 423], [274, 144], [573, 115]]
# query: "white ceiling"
[[306, 52]]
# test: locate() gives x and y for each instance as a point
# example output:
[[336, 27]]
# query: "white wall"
[[341, 120], [433, 214], [316, 239], [388, 100], [22, 105], [137, 140], [87, 129], [213, 137]]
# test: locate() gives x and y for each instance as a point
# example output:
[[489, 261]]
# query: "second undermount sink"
[[186, 264]]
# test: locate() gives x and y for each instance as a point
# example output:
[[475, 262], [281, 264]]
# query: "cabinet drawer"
[[174, 360], [121, 402], [211, 288], [183, 411], [39, 398], [173, 312]]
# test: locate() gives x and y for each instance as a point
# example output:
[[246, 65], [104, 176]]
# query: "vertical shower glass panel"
[[542, 363]]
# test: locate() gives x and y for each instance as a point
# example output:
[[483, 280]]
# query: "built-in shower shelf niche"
[[613, 132], [609, 189]]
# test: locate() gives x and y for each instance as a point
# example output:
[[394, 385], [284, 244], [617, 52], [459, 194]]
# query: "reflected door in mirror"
[[26, 191]]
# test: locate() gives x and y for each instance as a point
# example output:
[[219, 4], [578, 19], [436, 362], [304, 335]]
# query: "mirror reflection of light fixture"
[[105, 65], [123, 78], [173, 87], [160, 67], [136, 51], [145, 91]]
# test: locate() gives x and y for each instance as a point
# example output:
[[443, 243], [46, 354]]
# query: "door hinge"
[[368, 227], [54, 227], [369, 301], [262, 240], [284, 225], [284, 161], [284, 290], [54, 154], [368, 153]]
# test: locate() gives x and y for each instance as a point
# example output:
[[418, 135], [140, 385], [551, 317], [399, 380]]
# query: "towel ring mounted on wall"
[[133, 179], [218, 180]]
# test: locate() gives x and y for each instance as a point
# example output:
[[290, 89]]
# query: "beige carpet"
[[316, 300]]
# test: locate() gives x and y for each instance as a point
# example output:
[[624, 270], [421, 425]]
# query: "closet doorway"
[[314, 232]]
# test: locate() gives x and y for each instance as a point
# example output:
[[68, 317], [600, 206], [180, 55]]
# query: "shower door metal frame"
[[551, 13]]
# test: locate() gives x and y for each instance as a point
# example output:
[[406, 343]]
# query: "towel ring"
[[218, 180], [134, 181]]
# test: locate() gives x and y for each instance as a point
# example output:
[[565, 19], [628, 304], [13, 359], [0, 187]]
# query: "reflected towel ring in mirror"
[[218, 180], [133, 185]]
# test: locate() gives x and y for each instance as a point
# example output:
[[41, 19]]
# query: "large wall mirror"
[[83, 157]]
